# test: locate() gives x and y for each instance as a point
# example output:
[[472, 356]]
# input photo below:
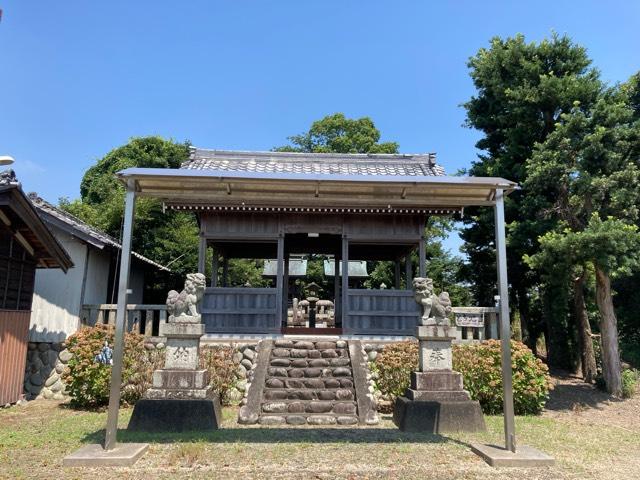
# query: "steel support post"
[[505, 326], [121, 314]]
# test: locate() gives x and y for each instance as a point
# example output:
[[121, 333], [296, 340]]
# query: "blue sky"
[[79, 78]]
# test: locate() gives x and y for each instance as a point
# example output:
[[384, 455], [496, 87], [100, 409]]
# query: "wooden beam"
[[5, 219], [23, 241]]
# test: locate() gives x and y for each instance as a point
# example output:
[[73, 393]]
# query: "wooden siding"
[[17, 273], [14, 328], [393, 312], [240, 310]]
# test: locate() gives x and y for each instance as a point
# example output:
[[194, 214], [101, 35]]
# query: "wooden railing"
[[141, 318]]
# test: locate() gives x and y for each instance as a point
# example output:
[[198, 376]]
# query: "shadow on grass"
[[278, 435], [570, 393]]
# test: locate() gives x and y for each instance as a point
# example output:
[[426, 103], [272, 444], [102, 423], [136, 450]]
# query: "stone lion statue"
[[183, 304], [435, 308]]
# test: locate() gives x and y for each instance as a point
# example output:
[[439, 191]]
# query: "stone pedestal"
[[436, 401], [180, 398]]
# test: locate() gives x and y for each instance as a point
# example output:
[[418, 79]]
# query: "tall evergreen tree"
[[522, 91], [589, 169]]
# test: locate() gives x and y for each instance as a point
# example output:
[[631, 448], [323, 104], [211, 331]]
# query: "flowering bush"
[[480, 366], [392, 371], [222, 369], [87, 380], [481, 370]]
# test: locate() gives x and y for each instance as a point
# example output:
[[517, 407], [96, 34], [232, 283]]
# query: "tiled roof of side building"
[[314, 163], [47, 210]]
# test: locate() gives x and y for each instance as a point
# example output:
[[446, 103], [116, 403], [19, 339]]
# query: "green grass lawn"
[[34, 439]]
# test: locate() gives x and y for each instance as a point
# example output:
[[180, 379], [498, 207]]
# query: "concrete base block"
[[438, 416], [525, 456], [150, 415], [94, 455]]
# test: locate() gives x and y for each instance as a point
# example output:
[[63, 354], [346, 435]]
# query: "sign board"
[[469, 319]]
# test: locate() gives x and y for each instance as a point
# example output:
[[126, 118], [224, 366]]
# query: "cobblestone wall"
[[43, 372]]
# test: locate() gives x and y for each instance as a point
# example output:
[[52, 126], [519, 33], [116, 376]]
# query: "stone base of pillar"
[[154, 415], [437, 403]]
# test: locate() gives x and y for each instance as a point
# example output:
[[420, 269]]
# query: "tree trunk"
[[608, 334], [523, 309], [587, 357]]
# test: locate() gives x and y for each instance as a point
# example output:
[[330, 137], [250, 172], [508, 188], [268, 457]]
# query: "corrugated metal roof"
[[412, 165], [88, 233]]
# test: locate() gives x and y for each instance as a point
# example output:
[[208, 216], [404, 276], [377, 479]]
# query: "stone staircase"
[[309, 382]]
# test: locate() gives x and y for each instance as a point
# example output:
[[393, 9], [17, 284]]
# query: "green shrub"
[[480, 365], [630, 379], [218, 360], [481, 369], [87, 381], [630, 351], [393, 366]]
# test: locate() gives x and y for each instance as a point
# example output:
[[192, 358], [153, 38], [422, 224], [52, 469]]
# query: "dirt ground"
[[591, 436]]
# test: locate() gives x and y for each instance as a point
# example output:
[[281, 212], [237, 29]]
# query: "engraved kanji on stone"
[[437, 356], [181, 354]]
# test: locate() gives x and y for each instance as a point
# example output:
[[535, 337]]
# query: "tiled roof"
[[314, 163], [46, 209]]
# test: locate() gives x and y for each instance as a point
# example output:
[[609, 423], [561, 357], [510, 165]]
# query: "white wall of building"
[[56, 298]]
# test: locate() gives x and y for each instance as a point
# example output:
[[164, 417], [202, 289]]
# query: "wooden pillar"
[[148, 323], [422, 255], [202, 255], [396, 273], [214, 268], [279, 279], [337, 301], [408, 271], [345, 281], [225, 270], [285, 291]]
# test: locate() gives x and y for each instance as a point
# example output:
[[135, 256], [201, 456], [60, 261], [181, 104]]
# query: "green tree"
[[522, 91], [169, 238], [338, 134], [589, 171]]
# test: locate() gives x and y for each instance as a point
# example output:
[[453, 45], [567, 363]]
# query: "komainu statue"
[[183, 304], [435, 308]]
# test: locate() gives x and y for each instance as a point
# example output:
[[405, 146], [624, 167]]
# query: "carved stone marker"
[[436, 400], [180, 398]]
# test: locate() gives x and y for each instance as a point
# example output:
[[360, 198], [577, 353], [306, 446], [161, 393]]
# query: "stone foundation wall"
[[245, 358], [43, 372]]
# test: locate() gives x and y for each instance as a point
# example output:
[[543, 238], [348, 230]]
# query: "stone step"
[[307, 419], [313, 383], [309, 394], [310, 362], [309, 345], [310, 407], [309, 353], [309, 372]]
